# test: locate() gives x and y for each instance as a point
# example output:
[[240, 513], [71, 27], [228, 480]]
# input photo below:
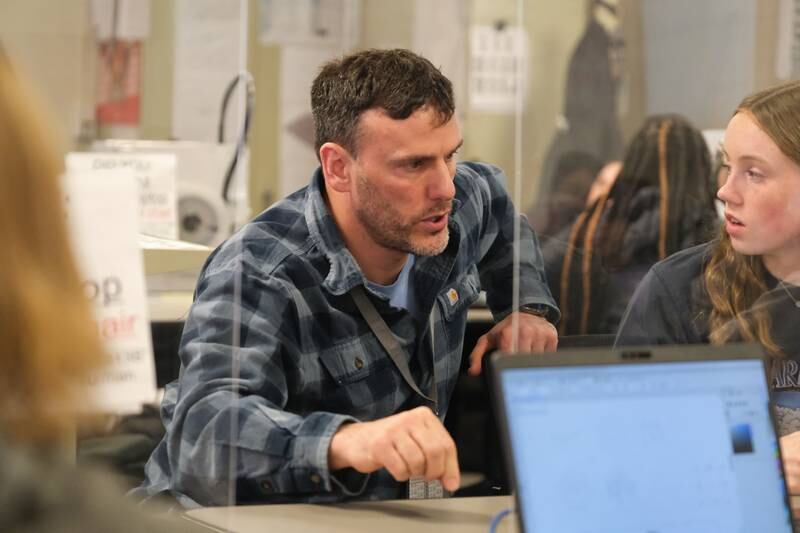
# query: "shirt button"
[[359, 363], [266, 486], [315, 479]]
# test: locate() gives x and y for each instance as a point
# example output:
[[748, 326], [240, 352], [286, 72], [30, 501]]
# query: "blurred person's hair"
[[49, 344], [669, 153], [735, 281], [397, 81], [573, 177], [668, 156]]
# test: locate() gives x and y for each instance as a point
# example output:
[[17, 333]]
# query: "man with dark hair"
[[325, 339]]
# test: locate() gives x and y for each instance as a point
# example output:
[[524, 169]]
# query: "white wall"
[[50, 42]]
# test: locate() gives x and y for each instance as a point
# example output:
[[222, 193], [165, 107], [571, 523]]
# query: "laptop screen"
[[662, 447]]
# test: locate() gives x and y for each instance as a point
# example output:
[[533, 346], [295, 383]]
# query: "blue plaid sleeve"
[[230, 419], [490, 203]]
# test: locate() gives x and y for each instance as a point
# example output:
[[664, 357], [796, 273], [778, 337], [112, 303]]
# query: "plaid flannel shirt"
[[275, 356]]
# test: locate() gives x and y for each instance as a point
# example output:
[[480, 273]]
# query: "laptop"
[[641, 440]]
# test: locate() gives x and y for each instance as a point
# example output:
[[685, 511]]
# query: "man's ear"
[[336, 164]]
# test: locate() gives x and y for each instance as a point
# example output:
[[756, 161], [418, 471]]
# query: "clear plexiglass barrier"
[[303, 227]]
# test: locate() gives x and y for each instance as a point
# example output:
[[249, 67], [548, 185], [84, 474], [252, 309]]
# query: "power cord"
[[241, 144], [496, 519]]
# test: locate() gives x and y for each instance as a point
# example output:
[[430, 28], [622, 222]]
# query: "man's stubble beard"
[[387, 228]]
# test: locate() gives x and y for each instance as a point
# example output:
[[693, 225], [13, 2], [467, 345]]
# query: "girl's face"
[[762, 197]]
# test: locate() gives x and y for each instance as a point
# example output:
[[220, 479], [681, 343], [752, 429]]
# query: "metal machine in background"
[[212, 178], [208, 210]]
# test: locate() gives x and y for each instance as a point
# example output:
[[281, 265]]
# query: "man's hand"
[[408, 444], [535, 334], [790, 450]]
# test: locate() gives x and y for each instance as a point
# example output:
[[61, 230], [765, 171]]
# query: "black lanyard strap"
[[389, 342]]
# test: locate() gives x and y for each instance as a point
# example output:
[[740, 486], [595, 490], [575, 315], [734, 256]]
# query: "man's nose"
[[441, 186]]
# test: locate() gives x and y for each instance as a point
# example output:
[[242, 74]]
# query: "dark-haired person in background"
[[574, 176], [318, 410], [661, 202]]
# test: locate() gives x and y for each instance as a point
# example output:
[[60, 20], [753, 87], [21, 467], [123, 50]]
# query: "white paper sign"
[[103, 218], [310, 22], [156, 175], [121, 19], [498, 68], [210, 52]]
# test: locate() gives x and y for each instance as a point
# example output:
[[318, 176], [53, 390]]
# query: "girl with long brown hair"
[[745, 284]]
